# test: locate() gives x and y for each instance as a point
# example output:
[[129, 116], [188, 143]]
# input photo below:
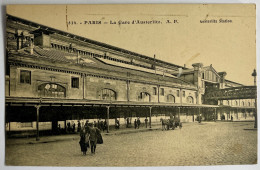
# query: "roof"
[[51, 55], [80, 38], [17, 101], [234, 82]]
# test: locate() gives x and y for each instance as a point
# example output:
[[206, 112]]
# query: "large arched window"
[[171, 98], [51, 90], [190, 100], [107, 94], [144, 97]]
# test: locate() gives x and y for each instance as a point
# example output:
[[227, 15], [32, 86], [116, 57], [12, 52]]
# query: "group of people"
[[89, 137], [137, 123]]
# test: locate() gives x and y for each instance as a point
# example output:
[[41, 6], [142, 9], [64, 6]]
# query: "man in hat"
[[93, 135]]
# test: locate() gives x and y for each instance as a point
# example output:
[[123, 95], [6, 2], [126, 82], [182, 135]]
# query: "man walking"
[[138, 123], [135, 122], [146, 121], [93, 132]]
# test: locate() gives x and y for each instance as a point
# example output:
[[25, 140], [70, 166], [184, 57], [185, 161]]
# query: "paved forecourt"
[[208, 143]]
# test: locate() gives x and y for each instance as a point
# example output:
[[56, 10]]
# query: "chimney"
[[42, 38], [31, 44]]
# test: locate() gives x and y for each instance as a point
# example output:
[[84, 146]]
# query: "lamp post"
[[254, 75]]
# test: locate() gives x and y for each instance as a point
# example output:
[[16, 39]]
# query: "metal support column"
[[255, 126], [179, 112], [199, 117], [108, 118], [37, 121], [215, 114], [237, 113], [150, 117]]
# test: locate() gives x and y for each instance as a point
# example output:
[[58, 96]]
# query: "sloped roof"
[[80, 38], [66, 57]]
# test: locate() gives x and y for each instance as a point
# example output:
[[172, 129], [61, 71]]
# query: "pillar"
[[193, 114], [215, 114], [237, 113], [108, 118], [179, 112], [37, 121], [199, 116], [150, 117], [255, 113]]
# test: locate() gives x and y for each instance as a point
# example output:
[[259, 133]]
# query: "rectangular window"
[[75, 82], [154, 91], [178, 93], [25, 76], [183, 94], [162, 91]]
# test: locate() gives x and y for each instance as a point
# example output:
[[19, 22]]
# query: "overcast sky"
[[228, 47]]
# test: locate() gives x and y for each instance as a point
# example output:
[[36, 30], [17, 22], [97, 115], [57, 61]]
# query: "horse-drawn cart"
[[171, 123]]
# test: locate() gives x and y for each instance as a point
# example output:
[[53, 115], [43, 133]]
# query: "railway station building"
[[55, 77]]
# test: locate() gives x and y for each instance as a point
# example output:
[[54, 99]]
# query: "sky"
[[229, 47]]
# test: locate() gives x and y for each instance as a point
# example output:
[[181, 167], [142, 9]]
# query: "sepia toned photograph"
[[130, 85]]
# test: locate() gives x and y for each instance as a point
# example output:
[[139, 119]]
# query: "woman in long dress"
[[84, 141]]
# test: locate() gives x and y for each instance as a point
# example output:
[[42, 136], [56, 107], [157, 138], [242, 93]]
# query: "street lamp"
[[254, 75]]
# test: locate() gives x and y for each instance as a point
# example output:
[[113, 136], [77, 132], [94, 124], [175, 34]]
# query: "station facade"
[[63, 77]]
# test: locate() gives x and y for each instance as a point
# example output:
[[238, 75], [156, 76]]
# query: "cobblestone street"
[[208, 143]]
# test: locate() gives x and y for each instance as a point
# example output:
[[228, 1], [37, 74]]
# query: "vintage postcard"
[[130, 85]]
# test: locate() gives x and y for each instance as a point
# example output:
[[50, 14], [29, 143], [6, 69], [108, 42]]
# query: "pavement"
[[207, 143], [65, 137]]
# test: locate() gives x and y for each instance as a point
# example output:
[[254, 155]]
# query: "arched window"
[[248, 103], [171, 98], [190, 99], [236, 103], [227, 102], [243, 104], [107, 94], [144, 97], [51, 90]]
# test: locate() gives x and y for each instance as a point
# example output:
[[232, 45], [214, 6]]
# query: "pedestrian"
[[59, 129], [68, 126], [127, 122], [135, 122], [98, 125], [117, 124], [86, 124], [93, 134], [231, 118], [104, 125], [84, 141], [138, 123], [101, 125], [79, 126], [73, 127], [146, 121]]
